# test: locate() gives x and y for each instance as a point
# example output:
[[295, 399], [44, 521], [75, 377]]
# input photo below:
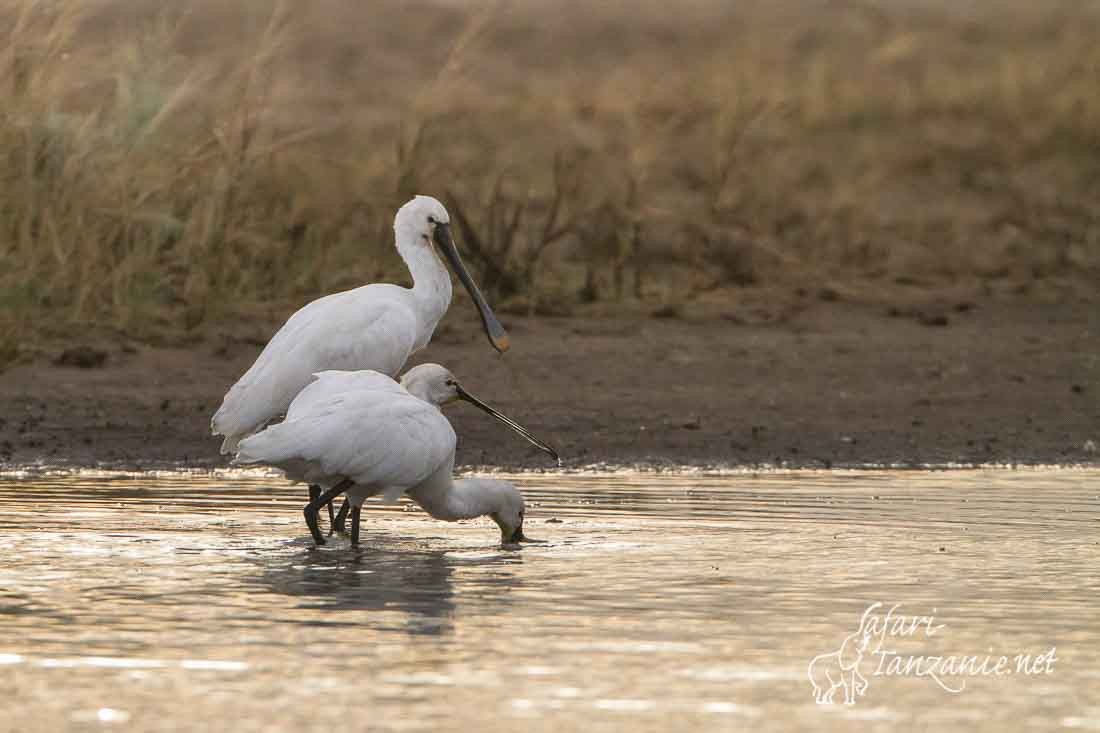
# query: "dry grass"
[[167, 169]]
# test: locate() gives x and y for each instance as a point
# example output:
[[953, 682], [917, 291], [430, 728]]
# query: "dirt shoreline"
[[825, 384]]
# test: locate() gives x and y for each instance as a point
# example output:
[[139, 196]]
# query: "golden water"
[[659, 602]]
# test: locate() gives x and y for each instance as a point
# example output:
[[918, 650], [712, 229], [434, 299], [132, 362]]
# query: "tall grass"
[[165, 169]]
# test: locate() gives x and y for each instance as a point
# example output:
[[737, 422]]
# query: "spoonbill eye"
[[431, 219]]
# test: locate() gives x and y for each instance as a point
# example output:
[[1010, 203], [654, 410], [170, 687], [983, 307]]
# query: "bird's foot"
[[339, 524], [311, 522]]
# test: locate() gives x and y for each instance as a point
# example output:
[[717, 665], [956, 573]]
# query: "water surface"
[[182, 602]]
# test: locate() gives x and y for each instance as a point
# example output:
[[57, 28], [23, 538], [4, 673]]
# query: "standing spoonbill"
[[363, 434], [373, 327]]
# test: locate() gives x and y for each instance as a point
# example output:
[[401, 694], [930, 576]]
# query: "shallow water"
[[197, 603]]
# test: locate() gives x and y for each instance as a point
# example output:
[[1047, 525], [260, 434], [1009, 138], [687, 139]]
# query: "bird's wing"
[[328, 384], [373, 327], [371, 437]]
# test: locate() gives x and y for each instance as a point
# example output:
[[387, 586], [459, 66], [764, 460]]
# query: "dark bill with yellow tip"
[[498, 337]]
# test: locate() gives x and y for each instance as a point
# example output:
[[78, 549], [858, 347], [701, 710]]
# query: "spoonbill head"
[[507, 508], [424, 220], [364, 434]]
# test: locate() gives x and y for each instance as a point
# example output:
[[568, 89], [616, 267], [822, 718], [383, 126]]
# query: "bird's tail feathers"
[[266, 446], [230, 444], [234, 425]]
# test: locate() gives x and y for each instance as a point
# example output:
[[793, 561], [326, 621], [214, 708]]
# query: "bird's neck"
[[462, 499], [431, 281]]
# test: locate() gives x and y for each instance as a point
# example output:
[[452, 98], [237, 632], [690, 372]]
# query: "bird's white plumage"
[[375, 327], [361, 426], [370, 326], [364, 434], [331, 384]]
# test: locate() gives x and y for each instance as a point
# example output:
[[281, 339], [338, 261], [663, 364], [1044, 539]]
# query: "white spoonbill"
[[374, 327], [363, 434]]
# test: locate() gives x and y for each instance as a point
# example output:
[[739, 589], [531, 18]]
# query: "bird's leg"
[[314, 492], [314, 507], [339, 524], [355, 525], [331, 516]]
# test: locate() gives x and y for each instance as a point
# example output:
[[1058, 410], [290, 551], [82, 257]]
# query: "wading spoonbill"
[[363, 434], [374, 327]]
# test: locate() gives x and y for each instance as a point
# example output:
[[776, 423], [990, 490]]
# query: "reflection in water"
[[181, 601], [417, 583], [13, 602]]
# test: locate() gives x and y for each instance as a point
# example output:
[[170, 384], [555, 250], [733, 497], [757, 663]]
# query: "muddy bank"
[[823, 384]]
